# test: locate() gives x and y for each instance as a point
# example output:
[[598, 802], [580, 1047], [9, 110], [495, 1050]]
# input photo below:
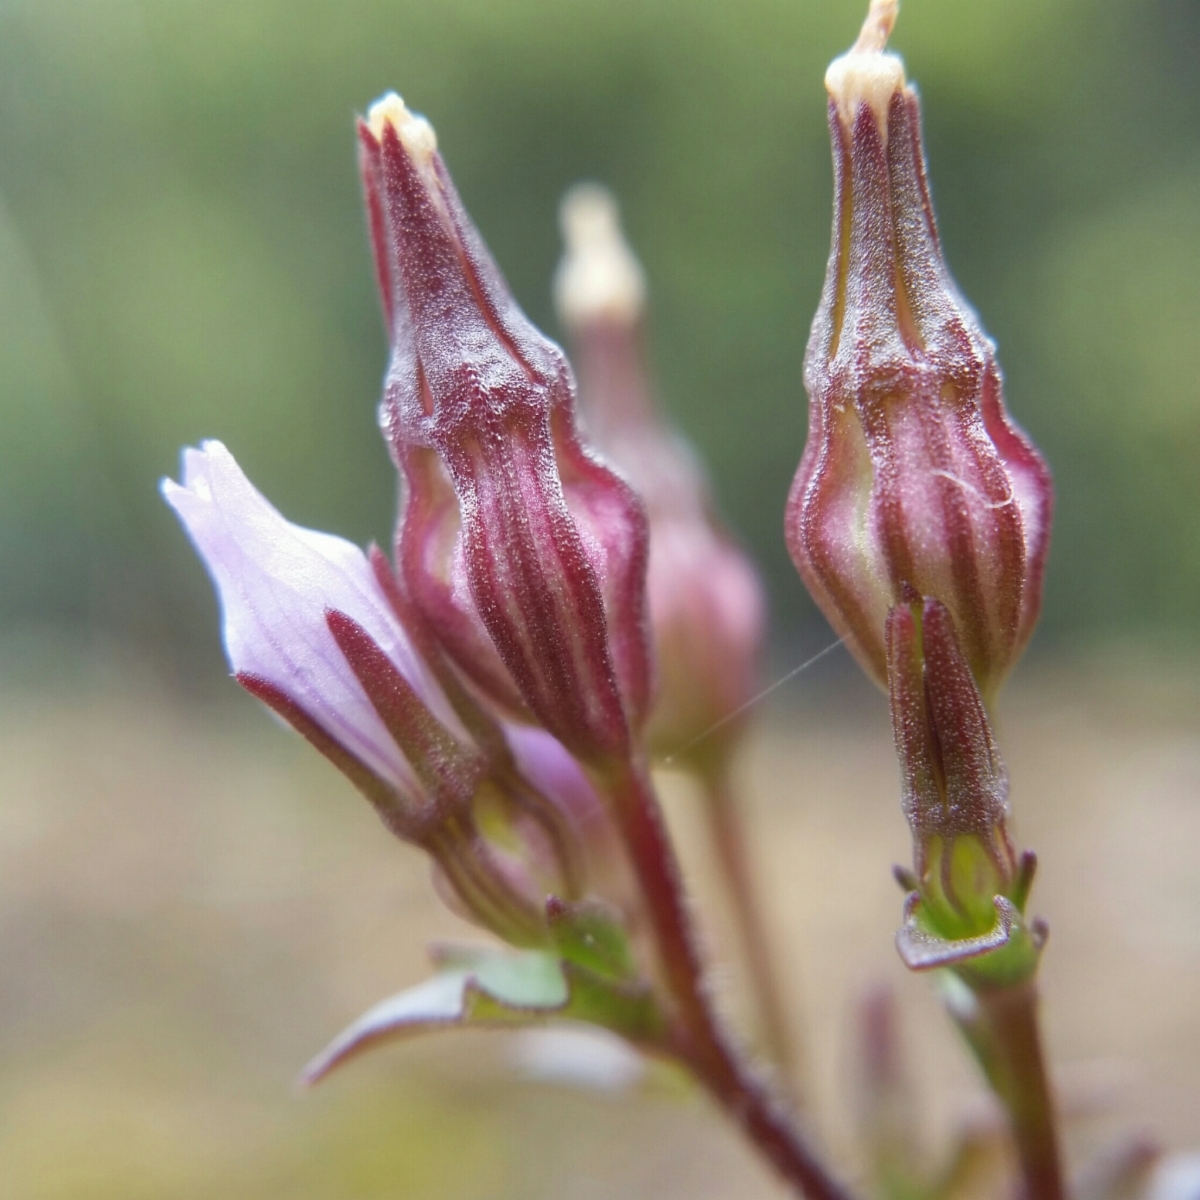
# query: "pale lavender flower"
[[278, 584]]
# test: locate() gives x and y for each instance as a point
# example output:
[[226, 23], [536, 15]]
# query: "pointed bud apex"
[[707, 611], [913, 471], [310, 630], [525, 555], [865, 74], [955, 787]]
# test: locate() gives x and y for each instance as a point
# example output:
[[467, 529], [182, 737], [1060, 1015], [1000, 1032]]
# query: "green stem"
[[1004, 1033]]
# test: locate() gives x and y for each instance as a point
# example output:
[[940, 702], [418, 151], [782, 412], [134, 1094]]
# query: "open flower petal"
[[277, 584]]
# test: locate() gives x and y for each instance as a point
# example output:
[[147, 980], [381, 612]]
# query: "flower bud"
[[524, 554], [706, 602], [913, 472], [309, 629], [955, 787]]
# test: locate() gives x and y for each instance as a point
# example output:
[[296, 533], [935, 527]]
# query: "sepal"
[[954, 784], [1005, 955]]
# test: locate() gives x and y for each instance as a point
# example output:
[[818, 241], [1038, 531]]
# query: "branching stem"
[[701, 1041]]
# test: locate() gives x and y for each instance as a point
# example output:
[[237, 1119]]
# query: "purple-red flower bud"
[[955, 787], [707, 611], [524, 554], [913, 472]]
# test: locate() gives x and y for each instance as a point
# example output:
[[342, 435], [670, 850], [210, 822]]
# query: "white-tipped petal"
[[418, 139], [414, 131]]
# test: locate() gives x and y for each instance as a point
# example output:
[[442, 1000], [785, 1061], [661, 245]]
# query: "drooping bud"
[[309, 629], [913, 472], [954, 785], [524, 554], [706, 601]]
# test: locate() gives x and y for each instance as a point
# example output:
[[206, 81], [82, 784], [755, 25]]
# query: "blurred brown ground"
[[191, 904]]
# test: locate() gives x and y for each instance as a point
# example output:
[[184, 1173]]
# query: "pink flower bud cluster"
[[468, 692], [490, 691]]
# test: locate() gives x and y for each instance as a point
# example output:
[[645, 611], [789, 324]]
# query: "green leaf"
[[493, 986]]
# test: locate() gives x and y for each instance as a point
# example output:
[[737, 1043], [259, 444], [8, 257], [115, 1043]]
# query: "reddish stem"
[[703, 1043]]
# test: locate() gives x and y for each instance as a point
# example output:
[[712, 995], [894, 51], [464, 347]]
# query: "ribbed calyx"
[[954, 784], [913, 472], [525, 555]]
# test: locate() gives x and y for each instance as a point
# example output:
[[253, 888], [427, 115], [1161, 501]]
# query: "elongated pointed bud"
[[913, 472], [707, 611], [525, 555]]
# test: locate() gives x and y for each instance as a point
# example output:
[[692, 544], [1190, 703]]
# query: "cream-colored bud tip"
[[415, 133], [866, 73], [598, 278]]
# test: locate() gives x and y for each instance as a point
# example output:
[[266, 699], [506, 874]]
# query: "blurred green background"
[[182, 255]]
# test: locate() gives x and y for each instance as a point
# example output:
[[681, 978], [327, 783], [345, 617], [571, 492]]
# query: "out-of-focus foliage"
[[182, 255]]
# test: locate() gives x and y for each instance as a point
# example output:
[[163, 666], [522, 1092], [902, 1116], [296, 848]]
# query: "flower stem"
[[729, 842], [1004, 1033], [701, 1042]]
